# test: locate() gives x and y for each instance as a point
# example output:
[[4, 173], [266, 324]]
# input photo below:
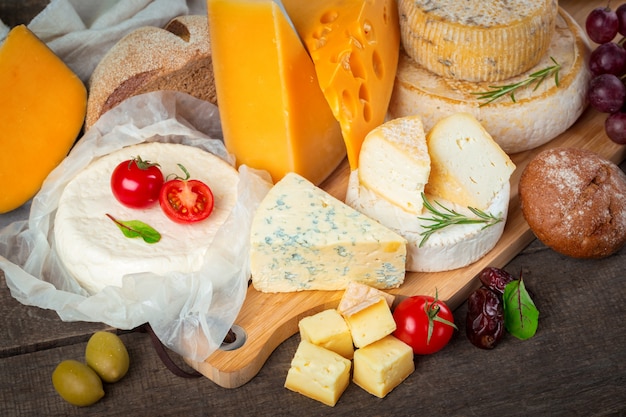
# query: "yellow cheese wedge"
[[467, 166], [354, 45], [273, 113], [41, 113], [477, 40]]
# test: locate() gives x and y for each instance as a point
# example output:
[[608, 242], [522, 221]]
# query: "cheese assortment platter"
[[267, 319], [342, 146]]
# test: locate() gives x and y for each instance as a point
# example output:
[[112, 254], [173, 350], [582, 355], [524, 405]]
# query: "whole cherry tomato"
[[425, 323], [136, 183], [186, 201]]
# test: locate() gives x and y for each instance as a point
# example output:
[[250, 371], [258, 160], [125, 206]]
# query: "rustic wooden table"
[[575, 365]]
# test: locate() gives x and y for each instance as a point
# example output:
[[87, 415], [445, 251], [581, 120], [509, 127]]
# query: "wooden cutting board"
[[269, 319]]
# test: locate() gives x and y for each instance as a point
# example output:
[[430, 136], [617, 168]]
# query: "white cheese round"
[[449, 248], [538, 114], [93, 249]]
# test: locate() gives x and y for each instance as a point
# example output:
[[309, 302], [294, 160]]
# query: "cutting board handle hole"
[[240, 339]]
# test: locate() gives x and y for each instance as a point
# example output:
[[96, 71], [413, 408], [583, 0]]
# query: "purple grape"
[[602, 24], [621, 19], [608, 58], [606, 93], [615, 127]]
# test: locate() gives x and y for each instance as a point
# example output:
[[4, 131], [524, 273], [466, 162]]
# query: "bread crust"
[[575, 202], [176, 57]]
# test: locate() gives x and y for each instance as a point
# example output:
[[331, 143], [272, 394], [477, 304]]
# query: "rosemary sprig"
[[497, 91], [447, 217]]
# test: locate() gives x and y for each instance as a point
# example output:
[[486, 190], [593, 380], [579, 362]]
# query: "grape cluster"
[[607, 63]]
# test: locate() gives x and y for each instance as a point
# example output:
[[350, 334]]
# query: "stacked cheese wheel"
[[452, 53]]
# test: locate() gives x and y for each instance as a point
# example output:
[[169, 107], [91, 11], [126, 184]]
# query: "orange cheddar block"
[[355, 47], [41, 113], [273, 113]]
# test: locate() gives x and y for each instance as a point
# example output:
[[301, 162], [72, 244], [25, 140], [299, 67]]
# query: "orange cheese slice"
[[273, 113], [355, 47], [41, 113]]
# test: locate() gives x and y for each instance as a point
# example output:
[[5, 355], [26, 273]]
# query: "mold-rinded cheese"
[[94, 250], [382, 365], [41, 114], [477, 40], [358, 296], [448, 248], [394, 162], [273, 112], [467, 166], [329, 330], [371, 323], [318, 373], [302, 238], [354, 45], [517, 125]]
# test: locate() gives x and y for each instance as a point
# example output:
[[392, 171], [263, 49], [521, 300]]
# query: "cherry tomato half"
[[186, 201], [136, 183], [424, 323]]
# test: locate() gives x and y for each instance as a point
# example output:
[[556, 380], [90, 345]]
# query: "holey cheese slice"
[[354, 45], [449, 248], [477, 40], [516, 126], [273, 112], [467, 166], [394, 162], [302, 238]]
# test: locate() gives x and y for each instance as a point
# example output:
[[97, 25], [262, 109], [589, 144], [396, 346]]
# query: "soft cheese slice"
[[467, 165], [318, 373], [273, 112], [477, 40], [383, 365], [354, 45], [517, 125], [302, 238], [359, 296], [92, 247], [449, 248], [394, 162]]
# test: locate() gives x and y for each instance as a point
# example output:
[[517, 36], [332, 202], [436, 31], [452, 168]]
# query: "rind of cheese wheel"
[[177, 57], [94, 250], [477, 40], [467, 166], [516, 126], [354, 45], [395, 163], [449, 248]]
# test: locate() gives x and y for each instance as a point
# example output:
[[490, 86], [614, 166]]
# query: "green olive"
[[77, 383], [107, 355]]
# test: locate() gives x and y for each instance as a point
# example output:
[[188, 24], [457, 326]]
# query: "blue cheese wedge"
[[302, 238]]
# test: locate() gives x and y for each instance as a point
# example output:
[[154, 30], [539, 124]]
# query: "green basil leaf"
[[521, 317], [136, 228]]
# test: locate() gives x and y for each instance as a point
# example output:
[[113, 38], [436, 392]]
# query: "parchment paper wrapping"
[[190, 313]]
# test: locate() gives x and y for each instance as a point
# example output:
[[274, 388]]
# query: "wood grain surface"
[[269, 319]]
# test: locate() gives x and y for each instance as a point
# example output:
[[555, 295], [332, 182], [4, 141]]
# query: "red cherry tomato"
[[136, 183], [424, 323], [186, 201]]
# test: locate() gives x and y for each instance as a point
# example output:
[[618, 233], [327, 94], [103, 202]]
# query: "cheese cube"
[[467, 165], [371, 323], [302, 238], [358, 296], [394, 162], [274, 115], [329, 330], [383, 365], [318, 373]]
